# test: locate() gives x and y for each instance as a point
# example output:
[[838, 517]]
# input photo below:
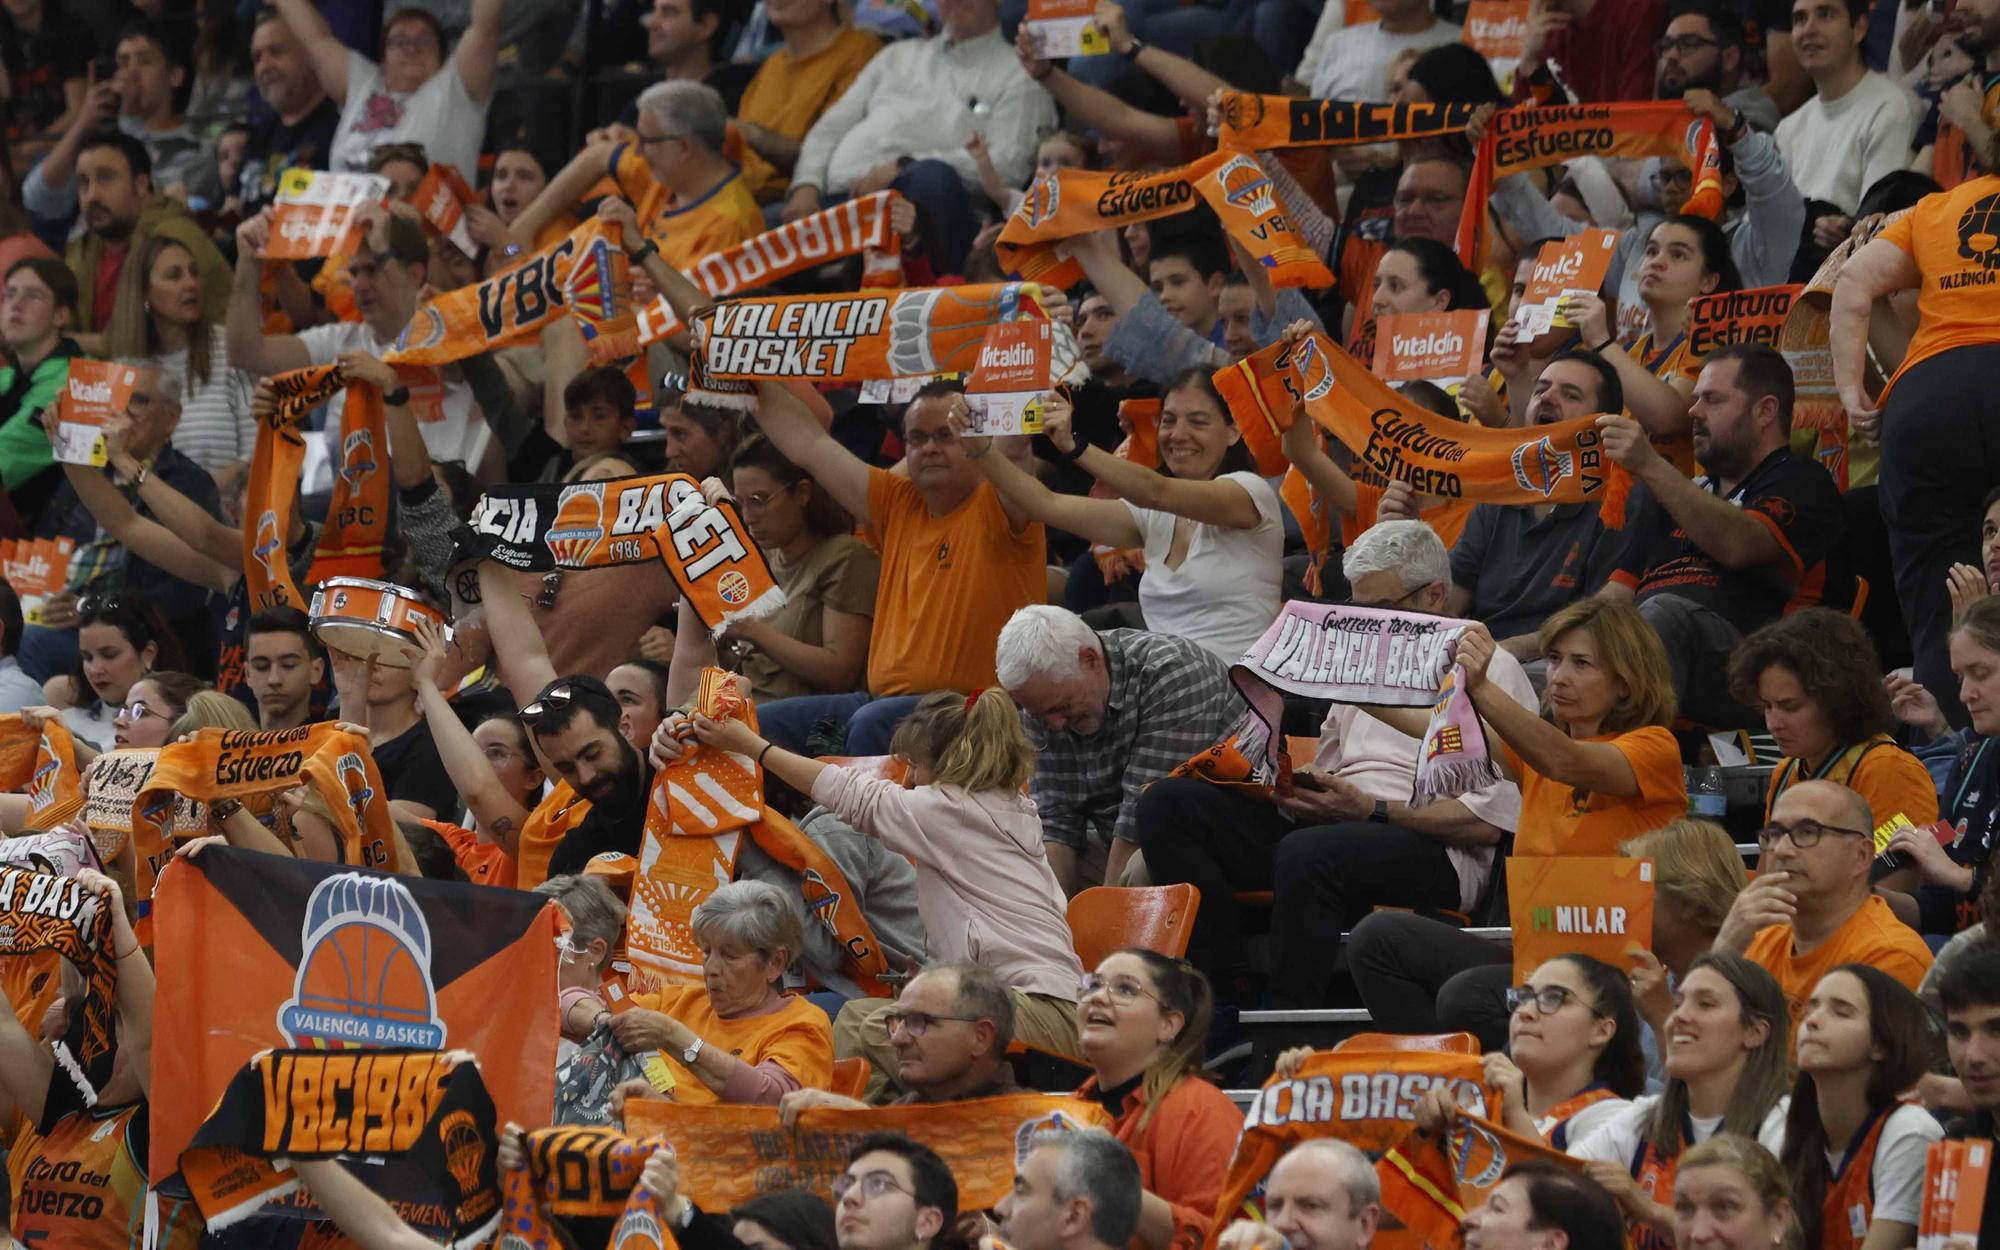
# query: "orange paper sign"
[[1574, 267], [1497, 29], [1442, 347], [1578, 905], [95, 390], [1955, 1175], [441, 197], [1013, 370], [1061, 28], [311, 215]]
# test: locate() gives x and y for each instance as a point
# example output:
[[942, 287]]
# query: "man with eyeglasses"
[[896, 1194], [1078, 1189], [1810, 909], [1346, 840], [1703, 50], [947, 1033]]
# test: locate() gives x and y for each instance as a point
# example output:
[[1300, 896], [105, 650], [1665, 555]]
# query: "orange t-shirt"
[[1955, 294], [82, 1187], [1890, 778], [723, 217], [948, 584], [798, 1037], [1677, 360], [1871, 936], [554, 816], [789, 94], [482, 862], [1560, 820], [1183, 1151]]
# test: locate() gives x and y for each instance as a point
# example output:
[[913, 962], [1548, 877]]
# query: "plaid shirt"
[[1170, 700]]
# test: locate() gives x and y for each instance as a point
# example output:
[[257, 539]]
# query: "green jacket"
[[167, 216], [24, 447]]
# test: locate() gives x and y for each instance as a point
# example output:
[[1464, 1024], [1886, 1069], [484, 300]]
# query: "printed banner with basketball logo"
[[1753, 316], [856, 227], [745, 1152], [232, 764], [322, 957], [1368, 1098], [1004, 392], [1430, 1182], [855, 337], [1521, 139], [442, 198], [632, 520], [1575, 266], [43, 912], [93, 392], [1069, 202], [41, 763], [1577, 905], [1259, 123], [416, 1126], [314, 211], [583, 275], [1440, 347]]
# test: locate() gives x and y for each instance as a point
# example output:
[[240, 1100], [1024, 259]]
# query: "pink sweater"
[[985, 890]]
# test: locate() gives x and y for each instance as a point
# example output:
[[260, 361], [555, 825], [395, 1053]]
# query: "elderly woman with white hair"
[[1346, 840], [737, 1037]]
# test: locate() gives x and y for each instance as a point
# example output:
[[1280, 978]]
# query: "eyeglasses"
[[1805, 834], [1391, 603], [137, 710], [645, 142], [1686, 45], [1548, 1000], [918, 1023], [873, 1185], [561, 695], [1123, 990], [758, 499]]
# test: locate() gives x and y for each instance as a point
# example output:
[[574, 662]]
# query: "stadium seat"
[[1105, 918], [850, 1077]]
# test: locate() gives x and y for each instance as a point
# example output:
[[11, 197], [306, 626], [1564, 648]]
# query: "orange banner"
[[1753, 316], [1577, 905], [1258, 123], [1429, 1183], [1498, 29], [1955, 1181], [314, 210], [41, 763], [93, 392], [1070, 202], [1521, 139], [745, 1152], [36, 568], [1440, 347], [1575, 266], [1011, 376]]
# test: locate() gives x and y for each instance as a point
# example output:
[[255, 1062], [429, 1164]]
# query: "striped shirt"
[[216, 427]]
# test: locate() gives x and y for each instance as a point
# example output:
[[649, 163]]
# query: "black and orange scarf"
[[357, 519], [41, 912]]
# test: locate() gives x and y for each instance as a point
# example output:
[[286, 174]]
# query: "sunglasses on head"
[[562, 694]]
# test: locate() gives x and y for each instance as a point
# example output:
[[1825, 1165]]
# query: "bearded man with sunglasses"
[[1809, 910], [574, 726]]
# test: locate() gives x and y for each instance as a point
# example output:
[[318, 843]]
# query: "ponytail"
[[972, 741], [1180, 987]]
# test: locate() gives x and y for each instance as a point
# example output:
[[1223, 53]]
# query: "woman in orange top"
[[737, 1037], [1816, 676], [1141, 1021], [1854, 1149], [1938, 424]]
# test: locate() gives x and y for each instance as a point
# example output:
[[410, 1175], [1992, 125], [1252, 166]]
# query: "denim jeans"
[[870, 722]]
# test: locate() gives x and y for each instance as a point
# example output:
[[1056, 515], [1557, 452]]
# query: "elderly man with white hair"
[[1346, 840], [1110, 713], [691, 200], [1322, 1195]]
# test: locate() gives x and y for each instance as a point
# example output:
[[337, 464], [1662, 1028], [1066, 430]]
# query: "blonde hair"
[[1627, 648], [131, 333], [974, 741], [210, 709], [1759, 1167], [1696, 864]]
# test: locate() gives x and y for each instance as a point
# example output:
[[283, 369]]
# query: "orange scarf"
[[701, 805], [856, 227], [1753, 316], [350, 544], [230, 764], [1429, 1183], [744, 1151], [865, 335], [42, 763], [1256, 123], [1070, 202], [587, 1172], [583, 274], [1560, 463], [561, 810], [1520, 139]]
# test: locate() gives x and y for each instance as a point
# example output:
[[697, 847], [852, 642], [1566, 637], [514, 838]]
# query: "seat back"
[[1106, 918], [1447, 1043], [850, 1077]]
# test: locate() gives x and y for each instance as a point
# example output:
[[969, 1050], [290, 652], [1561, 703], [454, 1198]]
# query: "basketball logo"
[[464, 1149], [1242, 110], [364, 976], [1979, 233], [357, 458], [1314, 373], [426, 329], [268, 543], [1477, 1156], [733, 588], [579, 523], [1244, 185], [354, 779], [637, 1230], [822, 900], [1040, 204], [1538, 466], [940, 330], [1053, 1122]]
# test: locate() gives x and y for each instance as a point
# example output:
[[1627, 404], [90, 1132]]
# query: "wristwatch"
[[694, 1049], [223, 809], [649, 248], [1380, 816], [396, 398]]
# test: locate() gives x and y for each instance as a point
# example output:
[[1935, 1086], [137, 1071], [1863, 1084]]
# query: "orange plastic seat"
[[1446, 1043], [850, 1077], [1106, 918]]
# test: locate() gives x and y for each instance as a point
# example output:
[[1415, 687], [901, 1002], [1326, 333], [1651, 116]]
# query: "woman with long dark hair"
[[118, 641], [159, 317], [1854, 1150]]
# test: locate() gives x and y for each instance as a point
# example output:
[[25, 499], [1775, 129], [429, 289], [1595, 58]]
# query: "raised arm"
[[144, 537], [569, 185], [409, 458], [478, 52], [799, 437], [356, 1210], [1732, 536], [1106, 522], [1096, 109], [1212, 502], [186, 520], [493, 809], [250, 349], [563, 356], [1662, 407], [329, 55], [1597, 767], [517, 641], [135, 984]]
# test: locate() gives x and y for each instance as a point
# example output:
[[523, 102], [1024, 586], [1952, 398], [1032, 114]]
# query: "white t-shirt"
[[1586, 1121], [1896, 1182], [441, 115], [216, 427], [1229, 585], [1617, 1139], [453, 428], [1836, 151], [1354, 64]]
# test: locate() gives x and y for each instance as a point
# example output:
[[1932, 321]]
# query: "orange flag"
[[42, 764], [1430, 1182], [1578, 905]]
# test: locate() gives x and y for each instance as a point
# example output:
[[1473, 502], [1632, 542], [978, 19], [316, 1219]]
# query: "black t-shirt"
[[413, 772], [37, 67], [274, 147], [1794, 497], [614, 826]]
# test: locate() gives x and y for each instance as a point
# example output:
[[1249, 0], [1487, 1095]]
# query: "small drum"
[[369, 619]]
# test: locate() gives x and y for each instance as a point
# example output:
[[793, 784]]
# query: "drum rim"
[[387, 661], [370, 582]]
